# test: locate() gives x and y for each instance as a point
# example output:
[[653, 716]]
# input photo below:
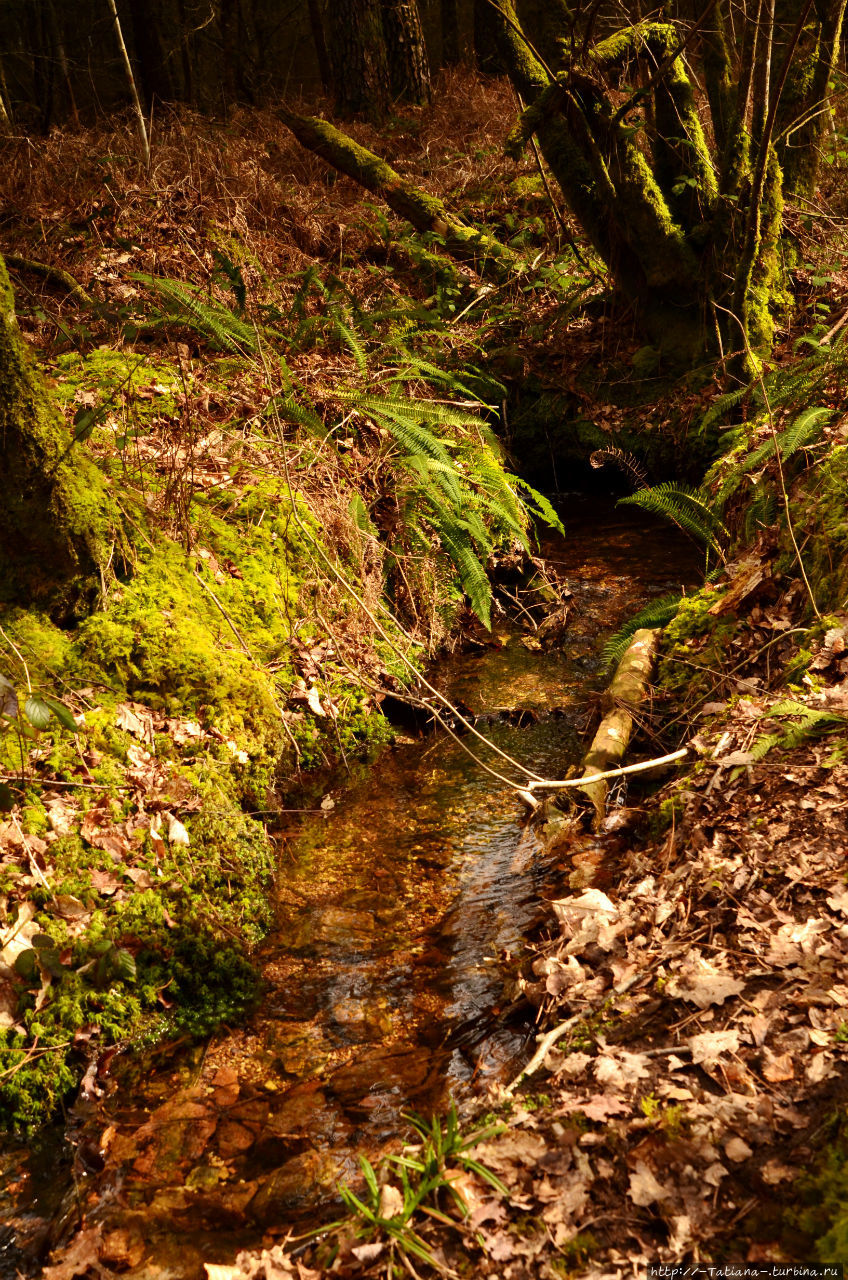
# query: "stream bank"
[[397, 909]]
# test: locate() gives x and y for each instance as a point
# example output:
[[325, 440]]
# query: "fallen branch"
[[641, 767], [623, 697], [56, 275], [556, 1033], [487, 256]]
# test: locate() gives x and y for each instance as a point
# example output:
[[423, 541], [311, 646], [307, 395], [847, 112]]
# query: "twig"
[[556, 1033], [601, 777], [229, 620]]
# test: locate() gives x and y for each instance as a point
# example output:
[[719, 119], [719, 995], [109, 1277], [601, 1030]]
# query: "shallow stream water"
[[387, 976]]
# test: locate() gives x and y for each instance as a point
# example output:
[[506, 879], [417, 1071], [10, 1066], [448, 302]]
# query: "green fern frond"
[[539, 505], [722, 405], [685, 507], [656, 614], [801, 432], [351, 341], [811, 723], [291, 411], [472, 574], [216, 323]]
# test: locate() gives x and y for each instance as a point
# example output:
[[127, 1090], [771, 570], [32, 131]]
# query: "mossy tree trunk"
[[427, 213], [688, 226], [805, 106], [57, 530]]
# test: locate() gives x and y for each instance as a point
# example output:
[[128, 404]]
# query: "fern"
[[720, 407], [216, 323], [656, 614], [812, 723], [801, 432], [685, 507]]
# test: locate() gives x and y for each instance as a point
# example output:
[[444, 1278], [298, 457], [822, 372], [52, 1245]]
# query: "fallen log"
[[626, 692], [489, 258]]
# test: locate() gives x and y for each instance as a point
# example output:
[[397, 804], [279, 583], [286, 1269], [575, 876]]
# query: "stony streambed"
[[398, 905]]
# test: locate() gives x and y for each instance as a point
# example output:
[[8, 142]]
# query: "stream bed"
[[398, 908]]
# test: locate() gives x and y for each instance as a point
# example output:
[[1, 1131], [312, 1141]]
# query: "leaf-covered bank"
[[301, 454]]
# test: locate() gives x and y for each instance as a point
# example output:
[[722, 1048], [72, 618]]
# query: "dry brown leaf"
[[709, 1046], [644, 1188], [618, 1068], [391, 1201], [778, 1066], [737, 1150]]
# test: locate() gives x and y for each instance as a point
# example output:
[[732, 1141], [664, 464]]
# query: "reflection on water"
[[394, 910]]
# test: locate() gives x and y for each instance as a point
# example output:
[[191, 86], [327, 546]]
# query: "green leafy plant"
[[686, 508], [806, 723], [427, 1175], [457, 488], [656, 614]]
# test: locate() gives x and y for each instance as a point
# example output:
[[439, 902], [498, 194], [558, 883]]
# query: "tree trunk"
[[56, 519], [409, 66], [319, 39], [358, 57], [152, 54], [805, 108], [450, 32], [487, 53]]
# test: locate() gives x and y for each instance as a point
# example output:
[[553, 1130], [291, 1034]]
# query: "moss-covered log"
[[56, 523], [623, 698], [488, 256]]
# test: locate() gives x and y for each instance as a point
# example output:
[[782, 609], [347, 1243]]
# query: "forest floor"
[[693, 1108]]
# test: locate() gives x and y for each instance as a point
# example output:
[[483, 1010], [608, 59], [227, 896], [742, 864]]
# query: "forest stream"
[[387, 978]]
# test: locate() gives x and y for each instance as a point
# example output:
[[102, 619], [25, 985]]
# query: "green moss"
[[694, 646]]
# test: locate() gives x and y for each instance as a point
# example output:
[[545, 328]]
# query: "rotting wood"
[[622, 699], [488, 257]]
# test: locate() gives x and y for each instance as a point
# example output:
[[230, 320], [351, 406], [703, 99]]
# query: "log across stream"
[[397, 907]]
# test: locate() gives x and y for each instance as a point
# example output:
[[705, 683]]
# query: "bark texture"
[[409, 65], [358, 57]]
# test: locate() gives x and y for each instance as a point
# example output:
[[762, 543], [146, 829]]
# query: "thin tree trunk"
[[139, 114], [6, 122], [409, 66]]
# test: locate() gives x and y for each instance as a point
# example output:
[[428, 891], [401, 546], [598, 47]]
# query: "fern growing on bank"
[[656, 614], [811, 723], [684, 507], [800, 434], [457, 488], [454, 486]]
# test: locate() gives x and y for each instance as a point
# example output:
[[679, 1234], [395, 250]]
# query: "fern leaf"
[[685, 507], [656, 614]]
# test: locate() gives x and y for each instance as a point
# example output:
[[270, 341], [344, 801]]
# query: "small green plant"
[[806, 723], [427, 1176], [656, 614], [686, 508]]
